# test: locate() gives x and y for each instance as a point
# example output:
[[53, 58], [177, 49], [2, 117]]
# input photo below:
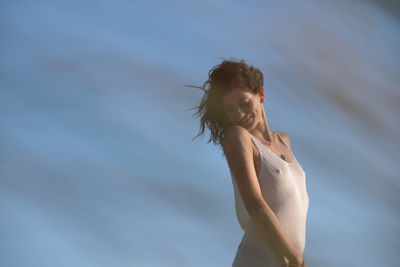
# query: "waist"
[[254, 236]]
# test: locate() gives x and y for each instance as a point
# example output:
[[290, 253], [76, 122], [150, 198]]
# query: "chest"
[[276, 174], [258, 160]]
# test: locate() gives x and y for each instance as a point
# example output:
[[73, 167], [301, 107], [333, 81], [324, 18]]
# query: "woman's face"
[[243, 107]]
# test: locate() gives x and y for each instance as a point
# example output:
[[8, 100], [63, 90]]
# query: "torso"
[[277, 147], [283, 187]]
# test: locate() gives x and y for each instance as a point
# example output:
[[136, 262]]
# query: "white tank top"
[[283, 187]]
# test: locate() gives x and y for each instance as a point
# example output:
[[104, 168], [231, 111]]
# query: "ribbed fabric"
[[283, 187]]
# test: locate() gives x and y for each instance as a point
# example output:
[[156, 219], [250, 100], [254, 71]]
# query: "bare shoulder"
[[235, 135], [284, 137]]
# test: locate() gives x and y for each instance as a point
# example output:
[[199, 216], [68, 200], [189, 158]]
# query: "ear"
[[262, 95]]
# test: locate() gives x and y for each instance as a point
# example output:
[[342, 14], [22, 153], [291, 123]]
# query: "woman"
[[271, 200]]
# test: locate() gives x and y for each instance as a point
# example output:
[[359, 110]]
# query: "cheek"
[[255, 108], [229, 116], [258, 111]]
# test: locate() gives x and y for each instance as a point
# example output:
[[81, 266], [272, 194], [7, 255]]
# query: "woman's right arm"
[[238, 151]]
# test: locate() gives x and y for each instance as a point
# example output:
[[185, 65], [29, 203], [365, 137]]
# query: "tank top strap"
[[256, 143]]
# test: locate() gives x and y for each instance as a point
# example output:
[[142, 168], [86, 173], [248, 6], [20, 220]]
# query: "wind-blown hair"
[[222, 79]]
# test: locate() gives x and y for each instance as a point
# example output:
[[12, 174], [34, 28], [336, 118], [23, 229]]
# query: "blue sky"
[[97, 162]]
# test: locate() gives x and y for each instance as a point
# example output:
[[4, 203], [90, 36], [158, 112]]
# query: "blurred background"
[[97, 163]]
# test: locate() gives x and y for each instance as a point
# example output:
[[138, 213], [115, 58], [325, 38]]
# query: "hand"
[[298, 262], [284, 261]]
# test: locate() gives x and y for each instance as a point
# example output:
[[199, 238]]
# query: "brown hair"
[[223, 78]]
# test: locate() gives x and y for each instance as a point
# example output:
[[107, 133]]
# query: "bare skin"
[[246, 112]]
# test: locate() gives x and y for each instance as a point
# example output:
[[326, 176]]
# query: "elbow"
[[257, 208]]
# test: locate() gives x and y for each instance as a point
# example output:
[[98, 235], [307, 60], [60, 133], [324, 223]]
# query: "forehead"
[[236, 95]]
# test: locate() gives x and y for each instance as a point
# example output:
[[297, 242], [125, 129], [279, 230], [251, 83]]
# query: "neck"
[[262, 130]]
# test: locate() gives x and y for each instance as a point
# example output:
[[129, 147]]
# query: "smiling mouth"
[[247, 121]]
